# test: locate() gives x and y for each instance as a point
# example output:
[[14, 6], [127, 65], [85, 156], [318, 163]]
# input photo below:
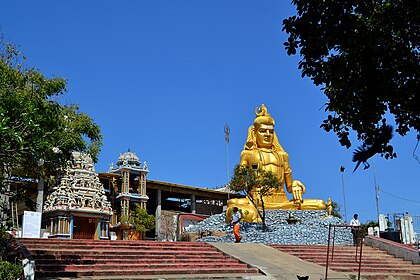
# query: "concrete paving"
[[274, 263]]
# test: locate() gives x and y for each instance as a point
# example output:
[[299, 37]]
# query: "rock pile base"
[[311, 228]]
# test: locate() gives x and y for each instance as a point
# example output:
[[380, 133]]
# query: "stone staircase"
[[376, 264], [62, 258]]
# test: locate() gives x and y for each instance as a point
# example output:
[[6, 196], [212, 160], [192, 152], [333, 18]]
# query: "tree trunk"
[[255, 204], [263, 213], [5, 196], [40, 196]]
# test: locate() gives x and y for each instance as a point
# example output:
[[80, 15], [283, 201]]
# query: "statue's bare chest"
[[269, 161]]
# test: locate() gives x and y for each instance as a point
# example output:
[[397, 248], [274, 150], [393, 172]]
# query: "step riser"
[[139, 266], [125, 253], [119, 261], [365, 263], [340, 269], [130, 248], [116, 242], [388, 277], [353, 259], [144, 272], [50, 258]]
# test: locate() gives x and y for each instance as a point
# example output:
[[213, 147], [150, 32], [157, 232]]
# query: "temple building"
[[85, 204], [78, 207], [173, 205]]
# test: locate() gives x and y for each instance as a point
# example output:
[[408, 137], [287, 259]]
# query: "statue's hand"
[[297, 190], [297, 183]]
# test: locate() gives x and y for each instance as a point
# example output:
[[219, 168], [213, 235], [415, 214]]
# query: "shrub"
[[10, 271], [4, 244]]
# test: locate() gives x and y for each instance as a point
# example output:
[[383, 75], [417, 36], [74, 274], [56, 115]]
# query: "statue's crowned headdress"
[[261, 111], [262, 117]]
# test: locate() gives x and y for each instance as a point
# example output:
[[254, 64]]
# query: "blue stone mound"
[[311, 228]]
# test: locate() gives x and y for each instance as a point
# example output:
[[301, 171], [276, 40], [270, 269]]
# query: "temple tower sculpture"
[[78, 208], [128, 180]]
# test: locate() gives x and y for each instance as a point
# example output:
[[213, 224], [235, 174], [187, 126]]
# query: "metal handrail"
[[358, 241]]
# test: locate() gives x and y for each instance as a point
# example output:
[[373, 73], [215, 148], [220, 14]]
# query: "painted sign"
[[31, 224]]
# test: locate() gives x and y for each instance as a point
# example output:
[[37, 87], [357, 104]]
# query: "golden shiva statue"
[[263, 150]]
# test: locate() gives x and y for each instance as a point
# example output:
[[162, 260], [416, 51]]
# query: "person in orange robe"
[[236, 218]]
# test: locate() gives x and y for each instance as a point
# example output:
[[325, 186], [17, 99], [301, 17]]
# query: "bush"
[[10, 271], [4, 244]]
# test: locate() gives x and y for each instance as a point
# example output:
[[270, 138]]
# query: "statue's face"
[[265, 136]]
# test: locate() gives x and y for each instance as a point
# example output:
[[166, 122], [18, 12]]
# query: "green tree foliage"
[[366, 56], [10, 271], [336, 210], [255, 184], [37, 133], [4, 243], [369, 224], [142, 221]]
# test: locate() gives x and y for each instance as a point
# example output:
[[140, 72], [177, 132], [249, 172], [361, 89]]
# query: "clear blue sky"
[[163, 78]]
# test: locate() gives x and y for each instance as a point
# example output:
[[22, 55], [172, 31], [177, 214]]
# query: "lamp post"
[[376, 189], [40, 194], [227, 132], [342, 168]]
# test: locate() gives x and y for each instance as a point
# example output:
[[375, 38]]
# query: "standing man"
[[236, 218], [355, 230]]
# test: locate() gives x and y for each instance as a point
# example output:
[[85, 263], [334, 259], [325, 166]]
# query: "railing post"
[[333, 245], [357, 241], [328, 251], [360, 256]]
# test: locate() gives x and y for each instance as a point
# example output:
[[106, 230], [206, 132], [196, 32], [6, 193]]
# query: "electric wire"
[[415, 148], [406, 199]]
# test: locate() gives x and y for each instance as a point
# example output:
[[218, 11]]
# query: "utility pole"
[[376, 189], [344, 193], [227, 132]]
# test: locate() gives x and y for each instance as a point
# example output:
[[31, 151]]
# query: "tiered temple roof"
[[79, 189]]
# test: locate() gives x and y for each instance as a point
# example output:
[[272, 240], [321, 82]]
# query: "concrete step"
[[323, 248], [190, 271], [366, 263], [387, 276], [102, 247], [342, 254], [390, 270], [116, 251], [87, 261], [350, 258], [110, 242], [126, 257], [222, 276], [141, 266]]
